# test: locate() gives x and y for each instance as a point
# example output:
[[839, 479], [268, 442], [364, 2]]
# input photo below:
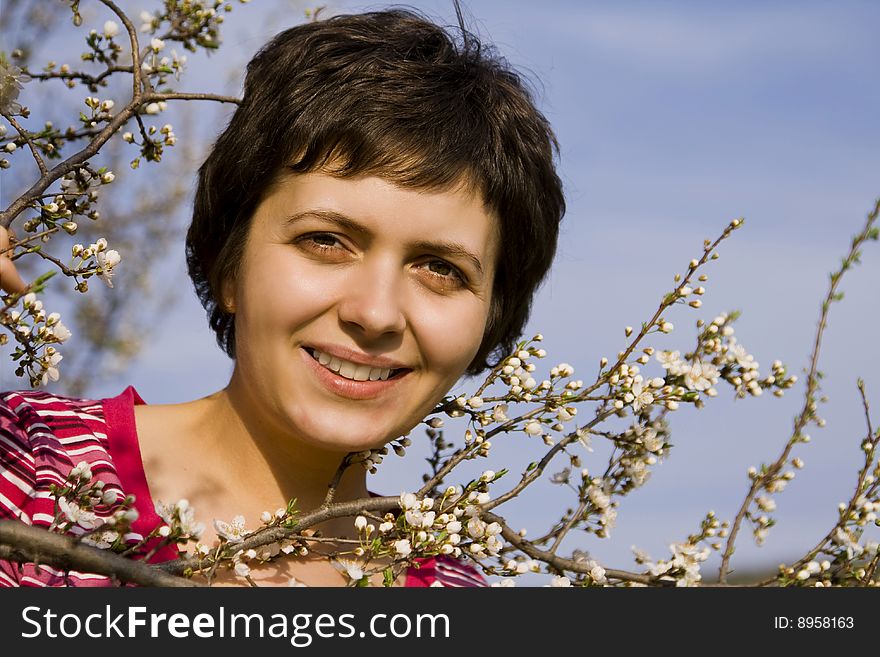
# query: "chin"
[[345, 435]]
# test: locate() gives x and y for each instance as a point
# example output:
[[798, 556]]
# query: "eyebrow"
[[442, 247]]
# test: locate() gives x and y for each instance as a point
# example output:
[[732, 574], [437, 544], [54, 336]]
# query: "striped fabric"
[[42, 437]]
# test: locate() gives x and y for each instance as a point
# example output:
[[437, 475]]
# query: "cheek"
[[451, 336], [275, 294]]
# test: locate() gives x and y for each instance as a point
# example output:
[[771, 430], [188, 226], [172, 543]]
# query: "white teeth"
[[362, 373], [347, 369], [351, 370]]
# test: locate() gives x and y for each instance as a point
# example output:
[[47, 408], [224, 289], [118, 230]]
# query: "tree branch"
[[23, 543], [180, 95]]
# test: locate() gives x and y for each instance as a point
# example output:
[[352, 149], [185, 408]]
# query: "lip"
[[348, 388], [357, 357]]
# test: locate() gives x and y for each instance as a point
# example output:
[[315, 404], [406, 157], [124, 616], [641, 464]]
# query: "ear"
[[227, 296]]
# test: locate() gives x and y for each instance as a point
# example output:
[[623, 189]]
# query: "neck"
[[265, 466]]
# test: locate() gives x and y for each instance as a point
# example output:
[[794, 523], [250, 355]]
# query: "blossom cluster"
[[768, 483], [102, 48], [12, 79], [370, 459], [192, 24], [683, 568], [850, 563], [197, 22], [447, 525], [158, 66], [94, 259], [76, 198], [37, 334], [231, 553], [95, 511], [852, 558], [180, 521], [243, 560]]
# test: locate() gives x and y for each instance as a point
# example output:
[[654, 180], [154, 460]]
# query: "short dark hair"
[[390, 94]]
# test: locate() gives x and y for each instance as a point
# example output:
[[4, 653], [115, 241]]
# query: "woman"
[[370, 226]]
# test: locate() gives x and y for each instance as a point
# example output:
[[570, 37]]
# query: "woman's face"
[[358, 304]]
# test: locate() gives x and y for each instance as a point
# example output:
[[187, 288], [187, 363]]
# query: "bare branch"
[[179, 95]]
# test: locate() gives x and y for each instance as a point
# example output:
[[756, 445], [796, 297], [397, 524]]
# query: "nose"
[[372, 305]]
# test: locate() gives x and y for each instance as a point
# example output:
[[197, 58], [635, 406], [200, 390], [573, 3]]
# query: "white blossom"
[[107, 260], [533, 428], [476, 528], [700, 376], [79, 516], [642, 397], [233, 532], [352, 569], [111, 29], [408, 501], [11, 79]]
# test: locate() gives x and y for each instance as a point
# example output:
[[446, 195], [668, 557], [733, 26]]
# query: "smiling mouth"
[[353, 371]]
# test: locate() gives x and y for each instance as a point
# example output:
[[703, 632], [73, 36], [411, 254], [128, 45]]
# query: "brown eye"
[[322, 240], [441, 268], [445, 274]]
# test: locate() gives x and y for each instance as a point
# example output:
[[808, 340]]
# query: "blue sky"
[[673, 118]]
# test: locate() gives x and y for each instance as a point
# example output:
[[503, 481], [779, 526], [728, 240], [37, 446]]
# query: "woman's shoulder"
[[52, 427], [31, 405], [42, 437]]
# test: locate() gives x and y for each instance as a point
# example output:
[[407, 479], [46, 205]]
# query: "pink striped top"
[[43, 436]]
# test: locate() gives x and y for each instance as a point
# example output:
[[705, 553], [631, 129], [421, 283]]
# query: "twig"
[[137, 99], [561, 563], [845, 514], [180, 95], [668, 300], [24, 135], [809, 403], [64, 268], [91, 81], [29, 239], [538, 470], [135, 55], [337, 477]]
